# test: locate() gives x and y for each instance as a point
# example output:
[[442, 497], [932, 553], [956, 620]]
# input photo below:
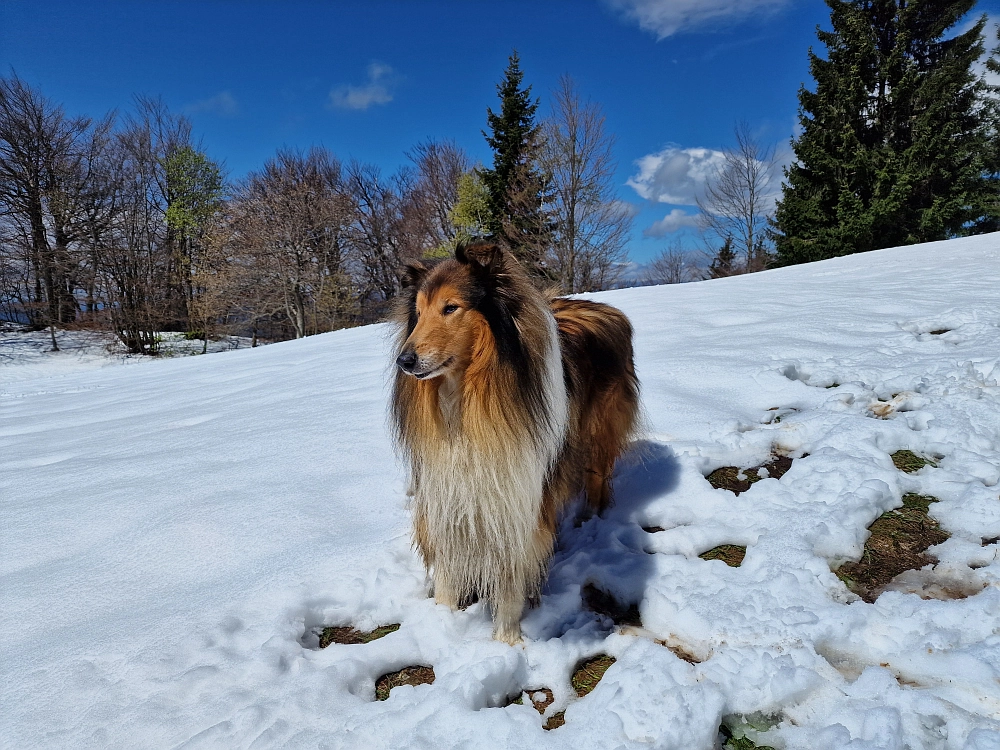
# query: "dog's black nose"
[[407, 360]]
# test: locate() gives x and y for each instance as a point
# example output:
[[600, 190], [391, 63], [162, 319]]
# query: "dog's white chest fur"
[[480, 500]]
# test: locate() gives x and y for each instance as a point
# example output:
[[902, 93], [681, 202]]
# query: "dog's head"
[[446, 307]]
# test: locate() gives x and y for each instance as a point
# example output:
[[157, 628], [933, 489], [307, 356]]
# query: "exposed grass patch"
[[350, 636], [898, 541], [542, 703], [909, 461], [585, 678], [991, 540], [604, 603], [731, 554], [939, 332], [728, 477], [555, 721], [417, 675], [652, 529], [589, 672]]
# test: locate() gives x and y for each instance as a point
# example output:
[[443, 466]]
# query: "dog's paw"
[[510, 636], [445, 597]]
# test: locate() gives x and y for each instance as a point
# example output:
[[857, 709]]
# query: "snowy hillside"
[[28, 355], [174, 535]]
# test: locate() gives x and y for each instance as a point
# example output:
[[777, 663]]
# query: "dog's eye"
[[449, 309]]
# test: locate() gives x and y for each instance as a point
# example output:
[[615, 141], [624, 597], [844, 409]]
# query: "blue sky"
[[369, 80]]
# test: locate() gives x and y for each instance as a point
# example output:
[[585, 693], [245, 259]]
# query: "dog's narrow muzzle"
[[407, 361]]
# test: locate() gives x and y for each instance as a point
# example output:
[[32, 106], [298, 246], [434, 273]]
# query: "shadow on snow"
[[605, 553]]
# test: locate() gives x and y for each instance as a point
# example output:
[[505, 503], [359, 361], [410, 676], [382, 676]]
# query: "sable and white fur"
[[503, 418]]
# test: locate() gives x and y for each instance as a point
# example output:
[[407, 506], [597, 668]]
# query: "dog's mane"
[[478, 473]]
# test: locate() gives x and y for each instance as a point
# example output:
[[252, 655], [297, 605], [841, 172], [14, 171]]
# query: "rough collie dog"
[[506, 405]]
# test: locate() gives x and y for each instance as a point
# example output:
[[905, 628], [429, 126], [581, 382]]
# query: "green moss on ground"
[[909, 461]]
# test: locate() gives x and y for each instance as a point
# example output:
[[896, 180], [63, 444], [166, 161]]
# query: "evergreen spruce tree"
[[724, 262], [896, 136], [992, 224], [516, 188]]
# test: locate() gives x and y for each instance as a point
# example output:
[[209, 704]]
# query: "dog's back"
[[603, 392]]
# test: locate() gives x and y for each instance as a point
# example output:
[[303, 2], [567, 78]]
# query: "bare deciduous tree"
[[429, 192], [739, 200], [289, 230], [591, 226], [379, 245], [670, 266], [137, 261], [47, 161]]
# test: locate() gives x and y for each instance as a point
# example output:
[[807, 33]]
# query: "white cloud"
[[676, 175], [376, 91], [223, 104], [676, 220], [667, 17]]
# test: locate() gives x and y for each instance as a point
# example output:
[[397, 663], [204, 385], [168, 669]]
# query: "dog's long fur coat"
[[506, 404]]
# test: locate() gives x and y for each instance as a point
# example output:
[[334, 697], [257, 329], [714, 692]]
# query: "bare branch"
[[739, 200], [591, 226]]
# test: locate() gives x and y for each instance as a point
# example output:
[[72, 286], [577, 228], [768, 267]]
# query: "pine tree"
[[515, 186], [724, 262], [993, 66], [895, 138]]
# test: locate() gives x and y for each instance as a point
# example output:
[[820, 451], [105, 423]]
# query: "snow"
[[174, 534], [27, 355]]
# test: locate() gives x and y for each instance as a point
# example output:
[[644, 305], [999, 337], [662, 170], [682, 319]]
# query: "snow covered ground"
[[174, 534], [29, 355]]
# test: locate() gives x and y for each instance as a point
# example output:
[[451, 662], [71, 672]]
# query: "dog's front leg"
[[507, 620], [444, 591]]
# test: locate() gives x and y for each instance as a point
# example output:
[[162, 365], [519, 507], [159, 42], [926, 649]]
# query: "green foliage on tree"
[[194, 190], [896, 137], [515, 187], [194, 193], [471, 212], [469, 216]]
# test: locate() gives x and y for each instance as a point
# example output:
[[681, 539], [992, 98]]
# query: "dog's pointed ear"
[[413, 274], [482, 256]]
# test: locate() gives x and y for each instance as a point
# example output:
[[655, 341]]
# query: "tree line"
[[125, 223]]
